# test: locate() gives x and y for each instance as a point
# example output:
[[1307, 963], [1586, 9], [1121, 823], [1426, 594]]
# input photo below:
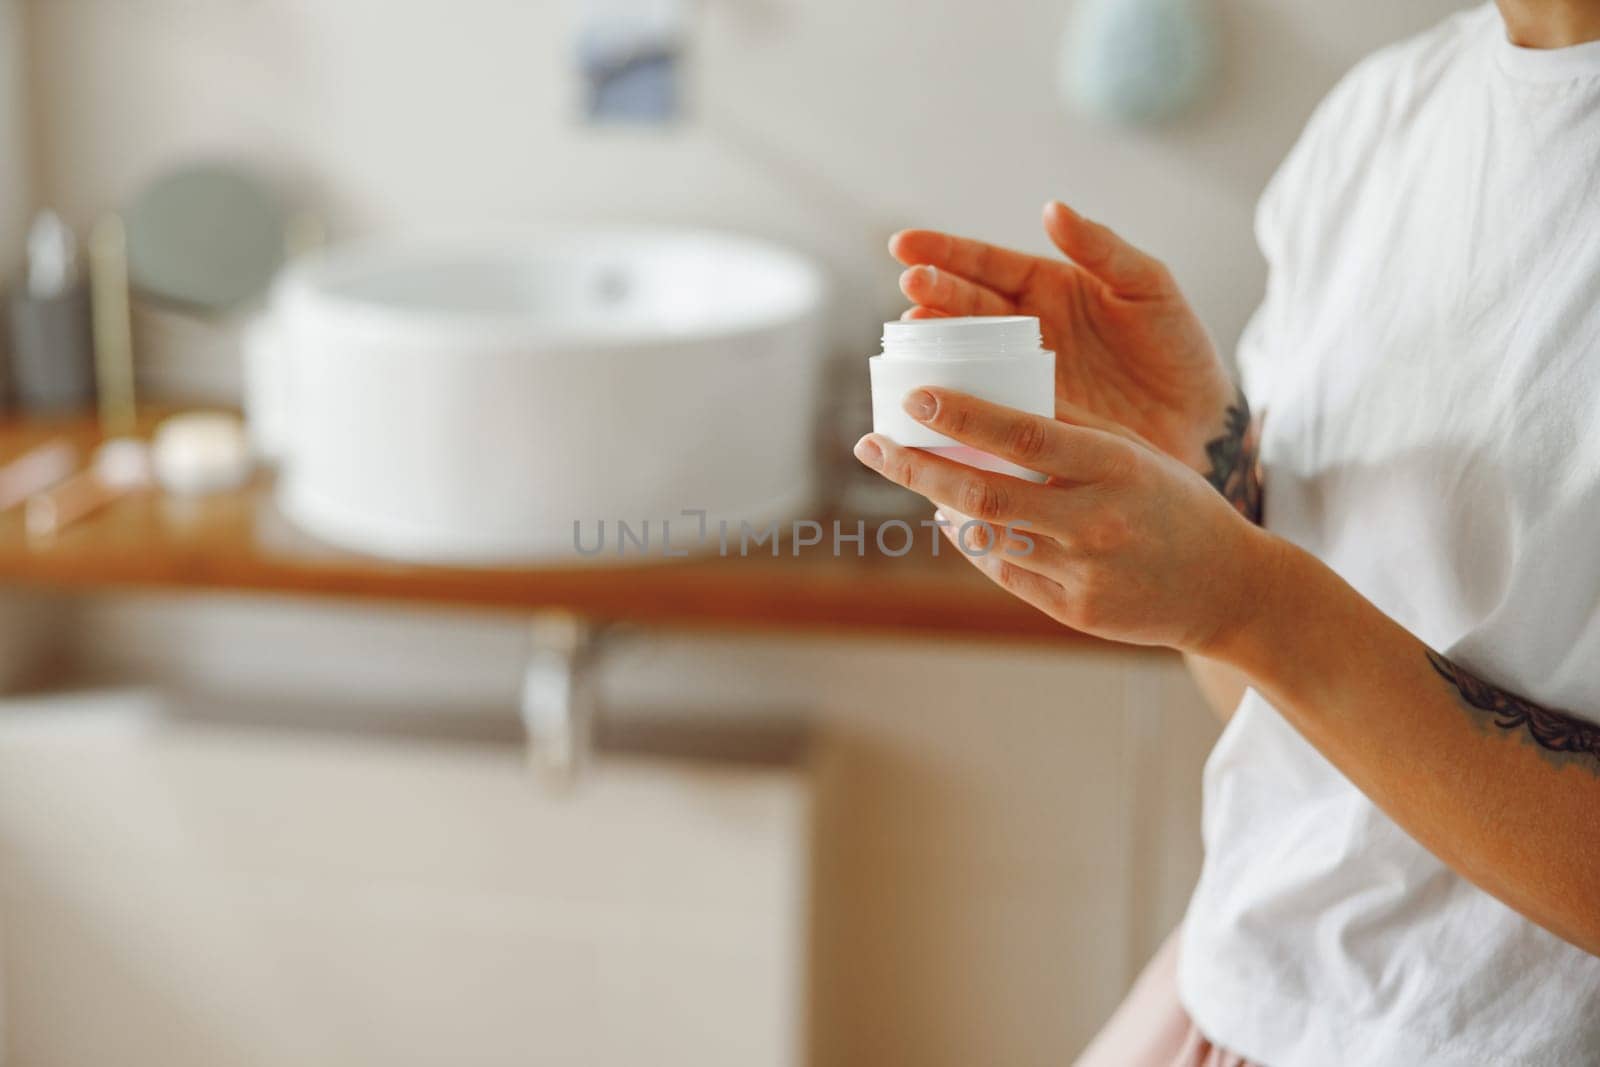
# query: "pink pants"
[[1151, 1029]]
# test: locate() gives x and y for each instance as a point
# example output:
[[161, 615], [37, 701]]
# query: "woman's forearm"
[[1233, 467], [1504, 791]]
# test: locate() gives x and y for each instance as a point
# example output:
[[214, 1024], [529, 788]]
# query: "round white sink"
[[497, 402]]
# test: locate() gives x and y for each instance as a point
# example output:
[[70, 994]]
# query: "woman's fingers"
[[1073, 453], [999, 269], [1028, 583], [1098, 250], [1077, 415], [997, 499], [952, 294], [1023, 545]]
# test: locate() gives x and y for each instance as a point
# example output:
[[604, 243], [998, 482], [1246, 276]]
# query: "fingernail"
[[868, 452], [920, 404], [1061, 209]]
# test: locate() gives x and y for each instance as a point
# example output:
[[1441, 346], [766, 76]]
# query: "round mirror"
[[205, 237]]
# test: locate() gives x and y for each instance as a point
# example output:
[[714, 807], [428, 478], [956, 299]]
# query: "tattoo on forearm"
[[1235, 460], [1561, 738]]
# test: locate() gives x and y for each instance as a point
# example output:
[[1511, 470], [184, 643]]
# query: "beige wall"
[[15, 196], [826, 123]]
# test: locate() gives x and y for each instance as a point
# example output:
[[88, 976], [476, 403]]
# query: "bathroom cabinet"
[[180, 889]]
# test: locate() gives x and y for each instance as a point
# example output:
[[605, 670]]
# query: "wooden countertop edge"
[[697, 596], [237, 543]]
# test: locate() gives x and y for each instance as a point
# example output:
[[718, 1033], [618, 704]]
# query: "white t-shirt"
[[1428, 359]]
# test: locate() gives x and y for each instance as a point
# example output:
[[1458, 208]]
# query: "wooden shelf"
[[239, 542]]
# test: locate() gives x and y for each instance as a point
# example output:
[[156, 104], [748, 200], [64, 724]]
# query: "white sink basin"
[[470, 403]]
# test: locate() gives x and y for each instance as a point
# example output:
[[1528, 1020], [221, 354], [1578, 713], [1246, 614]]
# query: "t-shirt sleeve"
[[1289, 216], [1267, 339]]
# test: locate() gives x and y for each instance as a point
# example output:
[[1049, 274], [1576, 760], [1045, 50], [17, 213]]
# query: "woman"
[[1402, 818]]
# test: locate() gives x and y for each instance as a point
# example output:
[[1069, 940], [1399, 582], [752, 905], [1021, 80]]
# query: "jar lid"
[[967, 337]]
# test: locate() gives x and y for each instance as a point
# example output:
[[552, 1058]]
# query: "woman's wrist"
[[1230, 446], [1269, 579], [1298, 629]]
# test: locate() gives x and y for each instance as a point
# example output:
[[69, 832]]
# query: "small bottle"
[[996, 358], [51, 348]]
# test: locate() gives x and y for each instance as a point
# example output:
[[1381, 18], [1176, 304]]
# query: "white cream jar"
[[996, 358]]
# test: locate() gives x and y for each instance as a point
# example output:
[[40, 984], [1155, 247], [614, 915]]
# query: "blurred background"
[[258, 827]]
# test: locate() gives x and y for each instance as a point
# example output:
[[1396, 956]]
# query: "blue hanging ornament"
[[1137, 61]]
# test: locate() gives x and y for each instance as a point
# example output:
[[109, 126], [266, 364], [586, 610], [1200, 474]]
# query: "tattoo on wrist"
[[1235, 460], [1561, 738]]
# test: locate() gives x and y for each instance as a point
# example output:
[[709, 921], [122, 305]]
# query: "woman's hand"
[[1128, 346], [1122, 541]]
